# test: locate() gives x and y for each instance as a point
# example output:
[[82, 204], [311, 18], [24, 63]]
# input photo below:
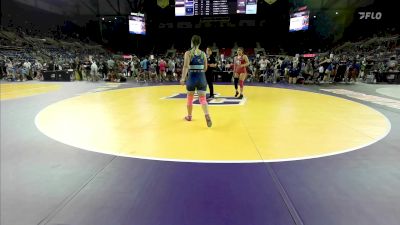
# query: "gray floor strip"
[[292, 210], [52, 214]]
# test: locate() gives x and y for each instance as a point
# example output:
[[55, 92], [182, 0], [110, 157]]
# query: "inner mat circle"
[[271, 124]]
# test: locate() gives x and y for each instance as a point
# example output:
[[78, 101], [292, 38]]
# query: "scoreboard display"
[[137, 24], [299, 20], [214, 7]]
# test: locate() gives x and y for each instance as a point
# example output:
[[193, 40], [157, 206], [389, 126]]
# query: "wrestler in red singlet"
[[240, 72]]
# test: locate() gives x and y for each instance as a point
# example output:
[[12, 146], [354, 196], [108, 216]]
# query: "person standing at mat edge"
[[211, 65], [195, 63], [240, 73]]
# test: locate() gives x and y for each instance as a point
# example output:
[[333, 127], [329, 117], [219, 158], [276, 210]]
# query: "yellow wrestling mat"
[[272, 124], [11, 91]]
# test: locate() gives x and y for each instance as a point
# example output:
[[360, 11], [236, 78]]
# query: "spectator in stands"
[[294, 70], [144, 64], [100, 69], [129, 67], [263, 63], [87, 69], [327, 73], [308, 71], [321, 71], [110, 64], [178, 69], [228, 66], [10, 70], [392, 64], [153, 71], [136, 65], [25, 70], [94, 72], [163, 66], [50, 66], [38, 67], [20, 71], [352, 71], [171, 69], [83, 71], [2, 69]]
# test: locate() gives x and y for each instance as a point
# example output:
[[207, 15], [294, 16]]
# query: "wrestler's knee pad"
[[190, 100], [203, 100]]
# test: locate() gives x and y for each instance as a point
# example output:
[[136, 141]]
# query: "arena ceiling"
[[124, 7], [86, 7]]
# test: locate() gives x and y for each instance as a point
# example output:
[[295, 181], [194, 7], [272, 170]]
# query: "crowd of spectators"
[[25, 58]]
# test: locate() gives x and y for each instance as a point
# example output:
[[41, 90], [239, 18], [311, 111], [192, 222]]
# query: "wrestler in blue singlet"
[[194, 66], [197, 77]]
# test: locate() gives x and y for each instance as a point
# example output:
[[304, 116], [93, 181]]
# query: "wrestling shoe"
[[208, 119]]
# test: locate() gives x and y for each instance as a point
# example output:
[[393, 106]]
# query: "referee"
[[209, 72]]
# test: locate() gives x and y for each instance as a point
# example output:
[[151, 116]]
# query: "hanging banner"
[[163, 3], [270, 1]]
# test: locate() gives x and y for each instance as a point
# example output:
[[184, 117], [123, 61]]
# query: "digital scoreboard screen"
[[137, 24], [299, 21], [214, 7]]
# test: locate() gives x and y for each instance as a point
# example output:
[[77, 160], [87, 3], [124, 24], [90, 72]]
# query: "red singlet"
[[239, 60]]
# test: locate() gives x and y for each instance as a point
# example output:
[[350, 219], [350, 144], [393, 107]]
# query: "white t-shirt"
[[171, 65], [263, 64], [38, 66], [110, 64], [93, 69], [27, 65]]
